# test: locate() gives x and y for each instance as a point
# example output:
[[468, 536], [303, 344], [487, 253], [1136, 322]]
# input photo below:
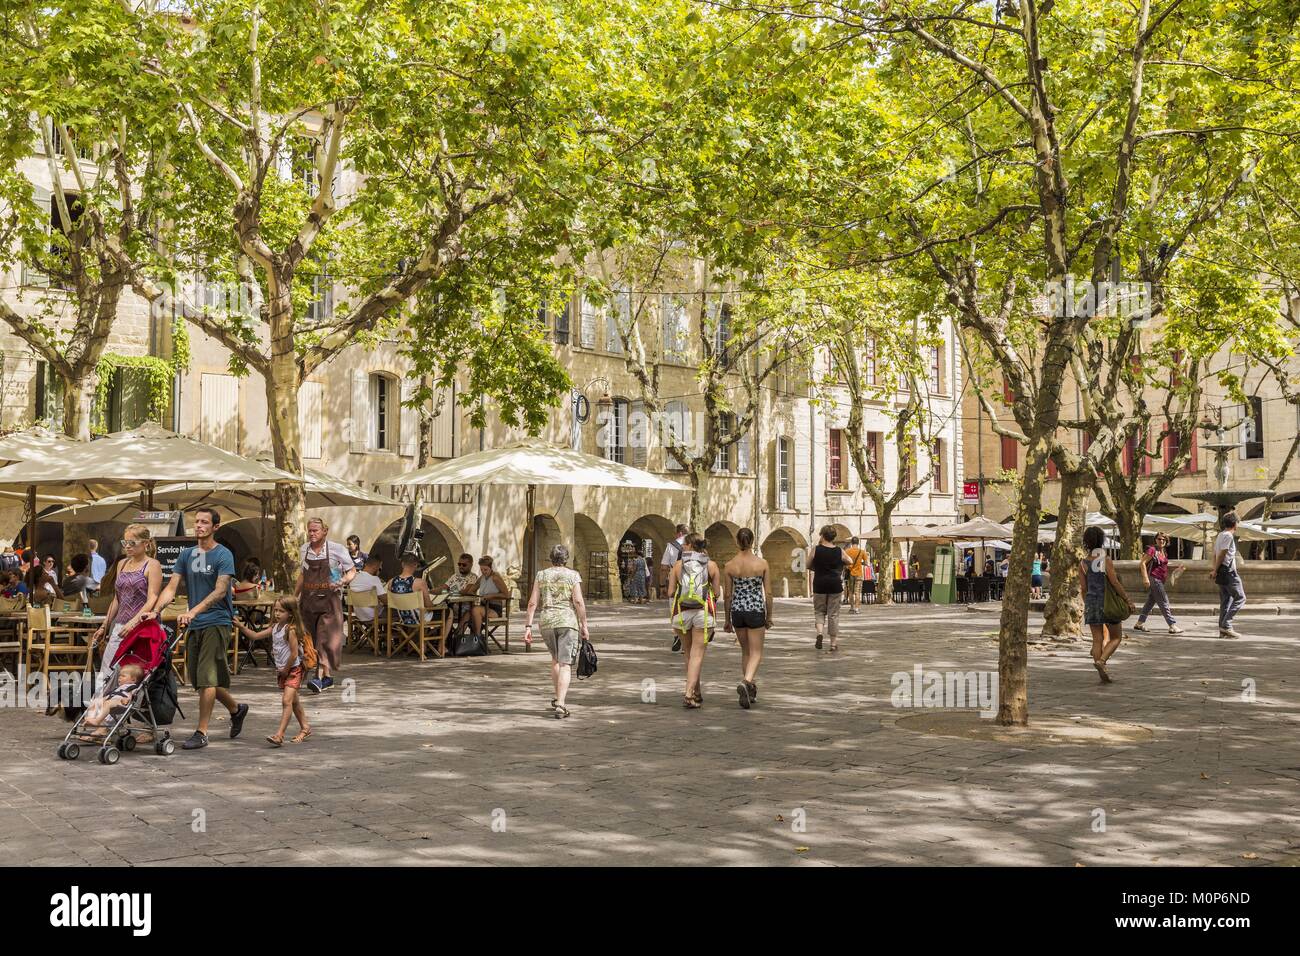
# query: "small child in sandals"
[[294, 654]]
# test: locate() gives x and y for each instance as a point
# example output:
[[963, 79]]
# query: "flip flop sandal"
[[690, 703], [561, 712], [275, 740], [300, 736]]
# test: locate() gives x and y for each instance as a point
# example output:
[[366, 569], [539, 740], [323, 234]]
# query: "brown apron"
[[322, 607]]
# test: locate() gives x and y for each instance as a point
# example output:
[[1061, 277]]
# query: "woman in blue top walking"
[[1095, 570]]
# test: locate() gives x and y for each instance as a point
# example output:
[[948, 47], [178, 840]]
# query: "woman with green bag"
[[1105, 603]]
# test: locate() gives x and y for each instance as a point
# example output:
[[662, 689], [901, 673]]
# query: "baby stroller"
[[146, 703]]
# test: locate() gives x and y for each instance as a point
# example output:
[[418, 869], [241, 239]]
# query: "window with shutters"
[[1252, 428], [48, 389], [321, 306], [589, 319], [83, 150], [869, 362], [784, 472], [675, 328], [443, 431], [940, 463], [744, 453], [618, 321], [1130, 454], [219, 411], [910, 453], [310, 415], [722, 458], [385, 400], [126, 402], [296, 162], [835, 460], [875, 442], [1192, 463], [722, 334], [677, 431], [936, 370], [638, 435], [562, 324], [1010, 453], [616, 435]]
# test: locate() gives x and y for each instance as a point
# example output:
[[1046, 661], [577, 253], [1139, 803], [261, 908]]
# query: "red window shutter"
[[1191, 462], [1171, 448], [1010, 453], [1130, 452], [1051, 468], [836, 460], [1007, 397]]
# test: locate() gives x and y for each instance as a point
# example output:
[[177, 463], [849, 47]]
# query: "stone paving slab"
[[459, 763]]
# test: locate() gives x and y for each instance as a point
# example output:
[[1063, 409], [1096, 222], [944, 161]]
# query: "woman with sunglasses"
[[136, 586]]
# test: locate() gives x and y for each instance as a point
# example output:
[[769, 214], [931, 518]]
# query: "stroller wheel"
[[128, 742], [165, 747], [63, 752], [70, 752], [109, 755]]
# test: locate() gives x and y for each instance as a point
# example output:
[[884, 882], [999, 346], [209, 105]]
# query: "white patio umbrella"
[[977, 527], [34, 442], [142, 457], [533, 462]]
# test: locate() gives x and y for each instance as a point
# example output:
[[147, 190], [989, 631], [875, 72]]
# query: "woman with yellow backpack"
[[694, 584]]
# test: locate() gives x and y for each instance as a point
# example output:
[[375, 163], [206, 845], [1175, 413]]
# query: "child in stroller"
[[142, 664]]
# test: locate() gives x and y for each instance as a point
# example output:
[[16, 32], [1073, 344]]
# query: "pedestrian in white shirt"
[[1224, 573], [672, 554], [98, 566]]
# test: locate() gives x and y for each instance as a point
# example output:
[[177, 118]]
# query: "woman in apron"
[[326, 569]]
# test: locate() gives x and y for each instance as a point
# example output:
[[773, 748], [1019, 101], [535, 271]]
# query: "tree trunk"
[[282, 386], [885, 556], [1064, 613], [78, 403], [1130, 530], [692, 520], [1013, 661]]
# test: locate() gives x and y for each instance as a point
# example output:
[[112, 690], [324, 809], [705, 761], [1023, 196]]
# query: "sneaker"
[[1228, 632], [742, 691], [237, 720], [677, 644], [326, 683], [195, 742], [819, 642], [315, 686], [1141, 626], [753, 689], [1175, 629]]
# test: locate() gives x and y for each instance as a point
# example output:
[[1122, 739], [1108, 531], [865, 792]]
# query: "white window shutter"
[[442, 444], [615, 324], [683, 331], [309, 418], [743, 453], [219, 411], [588, 333], [408, 432], [638, 435], [32, 276], [359, 423]]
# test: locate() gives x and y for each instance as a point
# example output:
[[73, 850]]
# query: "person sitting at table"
[[11, 585], [250, 578], [462, 582], [41, 588], [51, 568], [492, 589], [80, 581], [368, 579], [409, 582]]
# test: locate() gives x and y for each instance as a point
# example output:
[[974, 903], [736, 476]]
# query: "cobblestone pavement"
[[429, 756]]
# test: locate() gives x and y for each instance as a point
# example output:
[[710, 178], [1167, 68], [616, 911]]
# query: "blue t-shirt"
[[201, 570]]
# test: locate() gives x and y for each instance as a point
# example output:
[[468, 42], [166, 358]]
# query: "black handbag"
[[469, 645], [586, 659]]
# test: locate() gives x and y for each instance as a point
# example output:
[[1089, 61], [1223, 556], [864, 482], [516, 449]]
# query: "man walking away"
[[1225, 574], [208, 569], [672, 554]]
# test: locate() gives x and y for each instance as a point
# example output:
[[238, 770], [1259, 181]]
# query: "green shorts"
[[206, 650]]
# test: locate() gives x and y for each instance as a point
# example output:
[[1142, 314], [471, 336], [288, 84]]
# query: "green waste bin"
[[944, 588]]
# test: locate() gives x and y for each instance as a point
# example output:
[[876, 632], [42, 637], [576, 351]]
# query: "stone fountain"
[[1223, 498]]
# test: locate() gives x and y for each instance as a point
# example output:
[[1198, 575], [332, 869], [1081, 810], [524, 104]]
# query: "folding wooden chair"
[[495, 621], [364, 634], [99, 605], [56, 648], [414, 637], [11, 630]]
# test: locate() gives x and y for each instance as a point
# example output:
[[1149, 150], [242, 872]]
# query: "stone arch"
[[592, 559], [547, 533], [777, 549], [250, 537], [656, 529], [440, 540], [721, 538]]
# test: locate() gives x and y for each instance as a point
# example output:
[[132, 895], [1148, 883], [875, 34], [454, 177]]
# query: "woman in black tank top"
[[826, 564]]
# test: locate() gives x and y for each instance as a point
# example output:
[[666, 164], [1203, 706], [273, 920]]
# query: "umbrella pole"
[[31, 516], [148, 496], [530, 541]]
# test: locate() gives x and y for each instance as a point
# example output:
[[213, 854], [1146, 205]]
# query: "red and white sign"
[[970, 493]]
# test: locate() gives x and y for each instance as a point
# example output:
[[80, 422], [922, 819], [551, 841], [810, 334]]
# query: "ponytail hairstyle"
[[142, 533]]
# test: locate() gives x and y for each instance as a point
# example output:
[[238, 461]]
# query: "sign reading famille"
[[169, 550]]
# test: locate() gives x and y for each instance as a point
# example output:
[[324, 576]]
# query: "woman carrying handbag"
[[1106, 604]]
